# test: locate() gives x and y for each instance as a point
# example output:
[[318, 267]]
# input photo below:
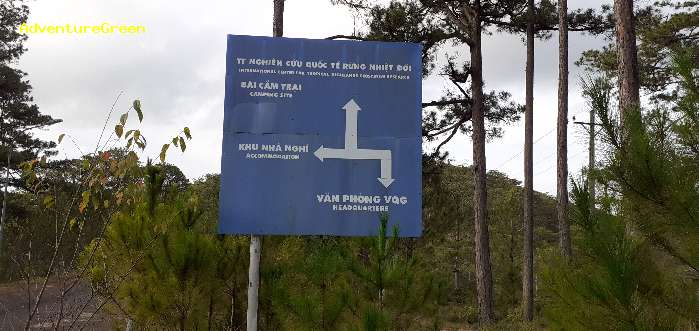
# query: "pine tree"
[[393, 291], [413, 21], [659, 30], [627, 59], [528, 218], [562, 133], [435, 22], [18, 115], [161, 265], [315, 287], [639, 258]]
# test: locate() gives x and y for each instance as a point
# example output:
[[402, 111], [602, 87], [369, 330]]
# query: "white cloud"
[[177, 69]]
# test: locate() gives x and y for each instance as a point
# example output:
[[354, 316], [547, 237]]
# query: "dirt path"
[[14, 308]]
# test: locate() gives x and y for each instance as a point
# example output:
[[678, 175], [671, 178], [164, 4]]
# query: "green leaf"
[[119, 129], [163, 152], [140, 145], [95, 202], [137, 107], [85, 201], [31, 178], [60, 137], [175, 141], [187, 133], [123, 118], [128, 133], [132, 157], [48, 201], [183, 146]]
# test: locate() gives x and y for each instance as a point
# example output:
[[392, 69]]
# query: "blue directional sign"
[[321, 137]]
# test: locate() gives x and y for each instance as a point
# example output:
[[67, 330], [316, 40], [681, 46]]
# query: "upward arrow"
[[351, 109], [351, 152]]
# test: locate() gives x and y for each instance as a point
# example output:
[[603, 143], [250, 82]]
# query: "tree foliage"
[[160, 266], [19, 115], [639, 252], [662, 28]]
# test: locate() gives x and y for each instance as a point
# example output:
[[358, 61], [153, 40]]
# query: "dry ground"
[[14, 307]]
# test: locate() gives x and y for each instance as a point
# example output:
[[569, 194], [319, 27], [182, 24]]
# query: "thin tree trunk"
[[233, 307], [528, 258], [513, 269], [591, 161], [562, 133], [211, 312], [3, 134], [278, 23], [484, 282], [4, 197], [629, 99], [29, 274], [61, 300]]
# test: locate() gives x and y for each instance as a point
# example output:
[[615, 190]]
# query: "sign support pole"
[[255, 240], [253, 281]]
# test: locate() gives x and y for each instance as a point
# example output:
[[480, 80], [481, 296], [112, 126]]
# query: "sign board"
[[321, 137]]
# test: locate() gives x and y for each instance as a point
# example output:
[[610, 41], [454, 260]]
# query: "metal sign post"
[[253, 281], [255, 240]]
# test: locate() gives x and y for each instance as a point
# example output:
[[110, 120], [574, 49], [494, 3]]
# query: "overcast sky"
[[177, 69]]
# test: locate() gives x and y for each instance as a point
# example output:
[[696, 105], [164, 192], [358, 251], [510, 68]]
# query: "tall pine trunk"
[[6, 144], [629, 99], [562, 133], [4, 197], [484, 277], [528, 258], [278, 23]]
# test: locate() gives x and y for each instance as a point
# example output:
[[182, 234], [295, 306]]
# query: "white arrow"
[[384, 155], [386, 178], [351, 152], [351, 110], [354, 154]]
